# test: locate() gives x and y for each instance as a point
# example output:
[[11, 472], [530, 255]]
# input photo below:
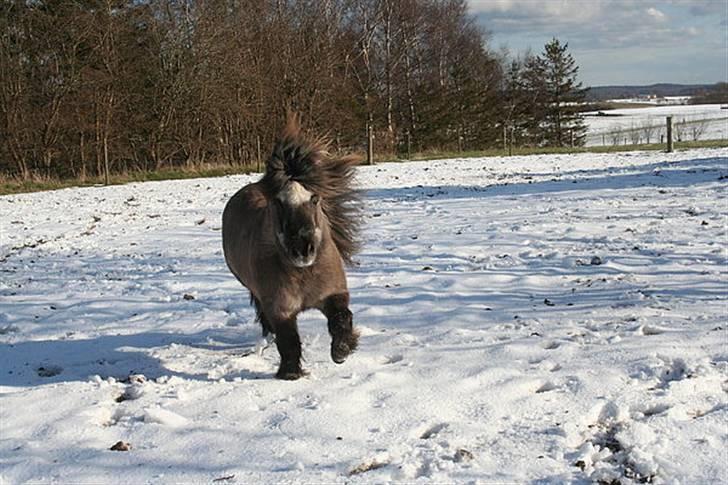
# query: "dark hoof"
[[342, 346], [290, 374]]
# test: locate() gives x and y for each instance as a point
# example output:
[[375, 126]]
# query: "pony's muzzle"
[[303, 262], [305, 256]]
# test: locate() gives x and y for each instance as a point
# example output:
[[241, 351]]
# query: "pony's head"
[[298, 223], [312, 196]]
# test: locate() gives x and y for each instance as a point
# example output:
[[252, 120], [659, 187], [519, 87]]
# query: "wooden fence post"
[[257, 146], [409, 145], [370, 144], [669, 134], [106, 160]]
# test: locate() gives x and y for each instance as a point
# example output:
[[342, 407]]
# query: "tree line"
[[92, 87], [716, 94]]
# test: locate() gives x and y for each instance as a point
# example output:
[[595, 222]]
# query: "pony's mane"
[[306, 160]]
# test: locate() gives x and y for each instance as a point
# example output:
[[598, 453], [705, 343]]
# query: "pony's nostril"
[[309, 248]]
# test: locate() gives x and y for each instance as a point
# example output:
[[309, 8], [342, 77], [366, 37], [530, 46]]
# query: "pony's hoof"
[[290, 375], [339, 352], [343, 347]]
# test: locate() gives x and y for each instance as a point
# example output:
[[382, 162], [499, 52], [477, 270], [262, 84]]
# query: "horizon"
[[649, 84], [617, 42]]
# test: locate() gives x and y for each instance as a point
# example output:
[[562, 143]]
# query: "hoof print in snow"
[[551, 345], [596, 261], [462, 455], [188, 297], [131, 393], [546, 387], [121, 446], [367, 466], [223, 479], [49, 370], [548, 302], [432, 431], [136, 379], [7, 329], [427, 268]]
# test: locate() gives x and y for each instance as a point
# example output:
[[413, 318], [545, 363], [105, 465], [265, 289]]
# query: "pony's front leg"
[[289, 348], [344, 338]]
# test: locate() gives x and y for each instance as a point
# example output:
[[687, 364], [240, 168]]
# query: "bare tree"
[[648, 129], [680, 129], [697, 128], [97, 87], [635, 134]]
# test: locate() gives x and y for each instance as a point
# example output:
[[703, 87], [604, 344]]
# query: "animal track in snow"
[[432, 431], [546, 387], [656, 410], [393, 359], [49, 370], [614, 448]]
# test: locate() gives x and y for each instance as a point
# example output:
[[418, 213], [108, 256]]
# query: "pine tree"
[[552, 77], [517, 104]]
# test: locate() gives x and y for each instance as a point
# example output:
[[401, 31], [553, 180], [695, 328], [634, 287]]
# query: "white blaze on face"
[[294, 194]]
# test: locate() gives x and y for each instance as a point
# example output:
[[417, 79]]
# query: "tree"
[[716, 94], [97, 87], [552, 79], [516, 109]]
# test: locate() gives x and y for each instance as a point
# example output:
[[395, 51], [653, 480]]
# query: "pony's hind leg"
[[289, 348], [344, 338], [260, 316]]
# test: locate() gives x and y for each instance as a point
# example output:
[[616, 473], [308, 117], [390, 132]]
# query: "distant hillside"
[[601, 93]]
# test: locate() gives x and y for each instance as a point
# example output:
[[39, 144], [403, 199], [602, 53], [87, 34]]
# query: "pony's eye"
[[315, 199]]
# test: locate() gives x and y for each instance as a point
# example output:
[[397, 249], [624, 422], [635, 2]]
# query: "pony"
[[287, 239]]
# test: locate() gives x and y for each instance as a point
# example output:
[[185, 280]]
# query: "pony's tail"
[[305, 159]]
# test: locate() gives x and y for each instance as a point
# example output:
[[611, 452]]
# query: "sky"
[[618, 42]]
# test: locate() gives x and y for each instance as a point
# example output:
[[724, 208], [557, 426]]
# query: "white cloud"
[[629, 39], [591, 24], [655, 14], [701, 8], [552, 10]]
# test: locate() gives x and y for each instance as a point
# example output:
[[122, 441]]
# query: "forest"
[[90, 88]]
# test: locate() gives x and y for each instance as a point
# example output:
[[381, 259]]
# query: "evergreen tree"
[[518, 102], [552, 79]]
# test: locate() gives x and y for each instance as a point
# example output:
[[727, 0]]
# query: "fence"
[[653, 130]]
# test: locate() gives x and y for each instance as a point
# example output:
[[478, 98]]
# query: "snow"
[[551, 318], [716, 126]]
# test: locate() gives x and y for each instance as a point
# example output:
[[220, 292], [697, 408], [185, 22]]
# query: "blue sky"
[[618, 41]]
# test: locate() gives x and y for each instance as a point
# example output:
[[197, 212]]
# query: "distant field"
[[610, 105], [627, 120]]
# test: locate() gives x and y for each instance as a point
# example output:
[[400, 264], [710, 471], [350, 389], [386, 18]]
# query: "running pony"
[[287, 238]]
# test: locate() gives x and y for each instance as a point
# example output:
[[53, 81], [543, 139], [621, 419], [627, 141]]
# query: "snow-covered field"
[[552, 318], [621, 120]]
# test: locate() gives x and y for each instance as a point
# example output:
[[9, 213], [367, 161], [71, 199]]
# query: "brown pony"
[[287, 237]]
